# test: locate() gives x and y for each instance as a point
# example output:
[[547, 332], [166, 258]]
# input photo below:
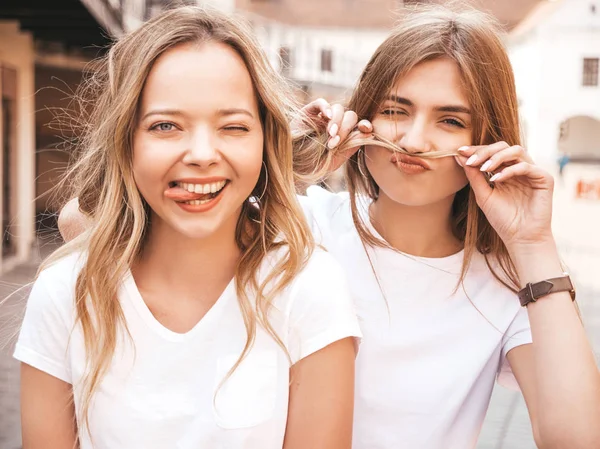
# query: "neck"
[[184, 263], [423, 231]]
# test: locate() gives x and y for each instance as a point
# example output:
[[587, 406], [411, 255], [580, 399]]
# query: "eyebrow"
[[233, 111], [220, 112], [446, 108]]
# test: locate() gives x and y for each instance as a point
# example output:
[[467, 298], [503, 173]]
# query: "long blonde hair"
[[472, 40], [102, 180]]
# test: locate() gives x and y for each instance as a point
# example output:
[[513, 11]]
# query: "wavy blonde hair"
[[472, 40], [102, 179]]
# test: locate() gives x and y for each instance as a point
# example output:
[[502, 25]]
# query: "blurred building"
[[320, 45], [44, 46], [555, 52]]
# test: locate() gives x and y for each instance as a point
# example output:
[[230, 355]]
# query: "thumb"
[[477, 180]]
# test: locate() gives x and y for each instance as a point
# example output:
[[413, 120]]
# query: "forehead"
[[438, 82], [197, 76]]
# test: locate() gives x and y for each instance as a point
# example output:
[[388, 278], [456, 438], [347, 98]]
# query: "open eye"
[[163, 127], [453, 122]]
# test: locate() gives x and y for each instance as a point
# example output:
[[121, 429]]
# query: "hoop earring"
[[360, 161], [259, 199]]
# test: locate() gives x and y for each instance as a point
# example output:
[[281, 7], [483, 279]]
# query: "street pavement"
[[576, 226]]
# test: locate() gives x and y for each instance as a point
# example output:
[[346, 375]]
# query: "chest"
[[184, 391]]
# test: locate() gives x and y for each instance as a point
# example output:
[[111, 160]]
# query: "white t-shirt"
[[427, 364], [160, 392]]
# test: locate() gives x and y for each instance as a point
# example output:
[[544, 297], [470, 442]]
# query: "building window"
[[285, 58], [590, 71], [327, 60]]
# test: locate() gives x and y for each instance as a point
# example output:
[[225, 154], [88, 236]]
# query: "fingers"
[[341, 122], [348, 124], [319, 106], [337, 115], [490, 157], [349, 127], [476, 178], [365, 127], [508, 156], [537, 177]]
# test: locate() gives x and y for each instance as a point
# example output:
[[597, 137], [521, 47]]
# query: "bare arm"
[[557, 373], [71, 221], [321, 401], [47, 411]]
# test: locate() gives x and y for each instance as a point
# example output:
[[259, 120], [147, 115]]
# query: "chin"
[[197, 231]]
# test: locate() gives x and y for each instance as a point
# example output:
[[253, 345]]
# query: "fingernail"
[[333, 130], [495, 177], [329, 114], [333, 142], [485, 166], [464, 149], [458, 161], [471, 160]]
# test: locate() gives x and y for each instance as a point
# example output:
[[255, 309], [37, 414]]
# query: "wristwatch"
[[533, 291]]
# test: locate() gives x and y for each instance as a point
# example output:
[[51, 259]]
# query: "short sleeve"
[[321, 310], [327, 213], [45, 331], [517, 334]]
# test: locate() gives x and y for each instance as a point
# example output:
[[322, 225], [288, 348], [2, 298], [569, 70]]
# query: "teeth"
[[197, 202], [202, 188]]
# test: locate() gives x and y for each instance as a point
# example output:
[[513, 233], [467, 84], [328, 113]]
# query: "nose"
[[413, 137], [202, 149]]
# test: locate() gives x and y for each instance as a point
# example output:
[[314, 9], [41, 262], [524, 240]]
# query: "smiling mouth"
[[195, 194]]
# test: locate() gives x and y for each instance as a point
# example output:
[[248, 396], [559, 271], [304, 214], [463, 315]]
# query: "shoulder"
[[319, 201], [64, 270], [322, 279], [57, 281], [328, 214], [321, 266]]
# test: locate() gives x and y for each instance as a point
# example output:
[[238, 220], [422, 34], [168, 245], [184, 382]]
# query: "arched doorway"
[[579, 139]]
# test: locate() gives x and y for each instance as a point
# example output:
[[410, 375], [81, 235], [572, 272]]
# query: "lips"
[[194, 189], [409, 160]]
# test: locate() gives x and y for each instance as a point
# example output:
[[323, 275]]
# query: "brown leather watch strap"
[[533, 291]]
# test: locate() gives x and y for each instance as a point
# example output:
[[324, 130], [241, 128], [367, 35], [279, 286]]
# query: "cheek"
[[376, 159], [390, 129], [149, 166], [247, 161], [453, 175]]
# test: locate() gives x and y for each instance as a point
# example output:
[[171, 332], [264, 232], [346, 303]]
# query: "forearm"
[[567, 377]]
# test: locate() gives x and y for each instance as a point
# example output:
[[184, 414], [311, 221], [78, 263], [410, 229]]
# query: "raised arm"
[[71, 221], [557, 373], [317, 132]]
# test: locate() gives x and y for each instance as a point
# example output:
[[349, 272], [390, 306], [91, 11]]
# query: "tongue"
[[179, 194]]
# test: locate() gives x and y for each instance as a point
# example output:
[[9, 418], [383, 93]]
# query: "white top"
[[429, 357], [165, 395]]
